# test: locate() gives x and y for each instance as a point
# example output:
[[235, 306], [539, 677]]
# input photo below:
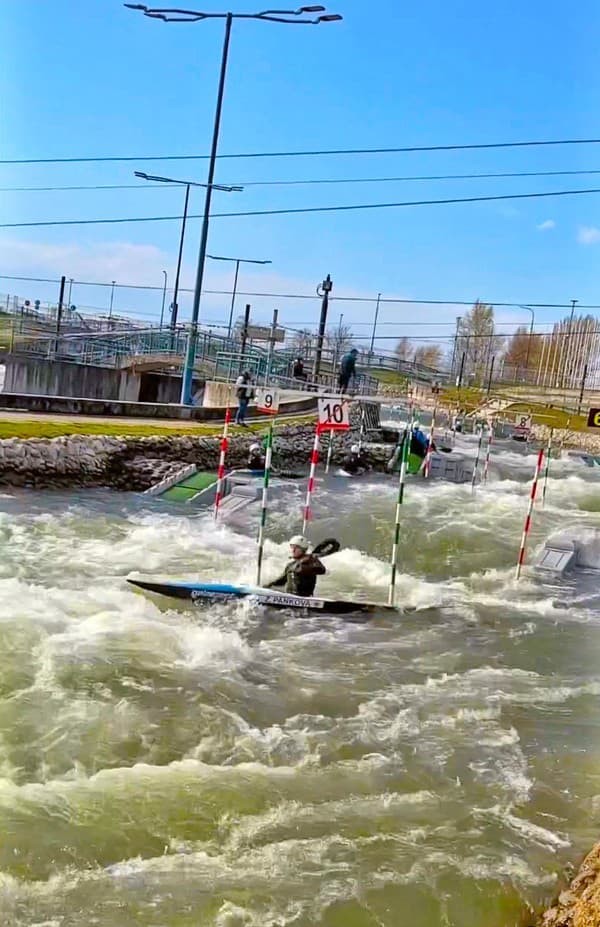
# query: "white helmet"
[[355, 449], [255, 447], [299, 541]]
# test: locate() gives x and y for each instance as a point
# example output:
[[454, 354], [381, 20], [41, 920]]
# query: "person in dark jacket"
[[347, 369], [244, 393], [300, 574], [298, 371]]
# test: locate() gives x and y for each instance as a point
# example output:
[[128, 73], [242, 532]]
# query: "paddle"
[[327, 547]]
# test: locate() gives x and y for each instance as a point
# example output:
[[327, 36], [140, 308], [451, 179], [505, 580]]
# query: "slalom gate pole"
[[527, 526], [361, 433], [311, 480], [401, 482], [476, 467], [427, 466], [547, 468], [564, 437], [487, 454], [221, 470], [263, 507], [329, 452]]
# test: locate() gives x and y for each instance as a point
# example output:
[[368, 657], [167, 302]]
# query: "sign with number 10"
[[267, 400], [333, 415]]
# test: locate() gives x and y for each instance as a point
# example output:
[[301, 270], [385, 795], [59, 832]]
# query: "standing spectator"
[[347, 369], [298, 371], [244, 392]]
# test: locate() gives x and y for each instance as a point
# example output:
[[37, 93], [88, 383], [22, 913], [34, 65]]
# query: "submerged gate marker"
[[536, 476]]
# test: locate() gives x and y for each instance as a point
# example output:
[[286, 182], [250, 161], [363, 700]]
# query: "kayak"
[[200, 593]]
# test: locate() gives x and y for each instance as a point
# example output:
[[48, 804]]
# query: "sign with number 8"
[[267, 400], [333, 415]]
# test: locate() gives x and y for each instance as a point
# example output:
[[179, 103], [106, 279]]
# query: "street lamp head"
[[311, 9], [135, 6], [330, 18]]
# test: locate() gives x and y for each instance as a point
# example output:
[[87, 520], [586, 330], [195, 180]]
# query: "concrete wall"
[[42, 377]]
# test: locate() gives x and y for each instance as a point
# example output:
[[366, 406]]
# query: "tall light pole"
[[187, 184], [162, 308], [564, 348], [529, 309], [176, 15], [112, 296], [374, 328], [238, 261]]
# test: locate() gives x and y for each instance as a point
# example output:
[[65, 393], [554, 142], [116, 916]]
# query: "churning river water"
[[168, 766]]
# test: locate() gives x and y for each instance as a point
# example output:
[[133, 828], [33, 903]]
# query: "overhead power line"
[[304, 210], [347, 299], [317, 181], [304, 154]]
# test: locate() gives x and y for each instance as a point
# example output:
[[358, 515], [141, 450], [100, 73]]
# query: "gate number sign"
[[593, 418], [267, 400], [333, 415]]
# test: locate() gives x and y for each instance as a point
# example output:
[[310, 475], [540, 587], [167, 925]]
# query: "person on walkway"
[[298, 370], [356, 461], [244, 393], [300, 574], [256, 459], [347, 369]]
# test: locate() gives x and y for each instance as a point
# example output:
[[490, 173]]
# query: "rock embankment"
[[578, 905], [135, 464]]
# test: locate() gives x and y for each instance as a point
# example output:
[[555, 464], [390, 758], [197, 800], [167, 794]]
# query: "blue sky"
[[96, 79]]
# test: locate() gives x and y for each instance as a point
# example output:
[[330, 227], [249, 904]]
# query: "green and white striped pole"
[[263, 509], [401, 482]]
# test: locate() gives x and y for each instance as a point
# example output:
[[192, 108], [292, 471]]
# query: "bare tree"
[[477, 341], [404, 350], [302, 343], [337, 341], [429, 355]]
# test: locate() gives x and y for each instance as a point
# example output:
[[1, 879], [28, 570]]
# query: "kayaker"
[[300, 574], [356, 461], [419, 442], [256, 460]]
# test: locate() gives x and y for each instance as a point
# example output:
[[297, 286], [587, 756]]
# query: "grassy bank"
[[31, 428]]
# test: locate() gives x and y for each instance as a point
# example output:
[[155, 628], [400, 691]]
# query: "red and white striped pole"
[[486, 465], [427, 464], [536, 476], [314, 460], [221, 470]]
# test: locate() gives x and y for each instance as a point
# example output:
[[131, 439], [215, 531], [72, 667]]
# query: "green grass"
[[554, 418], [467, 397], [389, 377], [26, 428]]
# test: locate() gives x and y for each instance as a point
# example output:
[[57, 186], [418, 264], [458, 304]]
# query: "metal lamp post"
[[177, 15], [187, 184], [238, 261], [529, 309], [164, 296]]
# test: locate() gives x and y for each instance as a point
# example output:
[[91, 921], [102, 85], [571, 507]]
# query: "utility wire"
[[302, 154], [303, 210], [296, 183], [348, 299]]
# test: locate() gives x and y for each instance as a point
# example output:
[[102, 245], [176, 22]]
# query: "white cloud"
[[546, 226], [588, 235]]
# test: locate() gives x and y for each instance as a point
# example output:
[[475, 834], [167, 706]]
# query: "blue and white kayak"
[[202, 593]]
